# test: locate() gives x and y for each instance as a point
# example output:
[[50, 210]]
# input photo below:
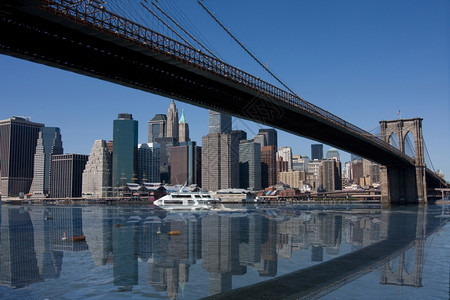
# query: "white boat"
[[182, 200]]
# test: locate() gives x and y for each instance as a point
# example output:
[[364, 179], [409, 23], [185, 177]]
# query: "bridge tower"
[[404, 183]]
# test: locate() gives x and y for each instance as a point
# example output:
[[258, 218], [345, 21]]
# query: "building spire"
[[182, 118]]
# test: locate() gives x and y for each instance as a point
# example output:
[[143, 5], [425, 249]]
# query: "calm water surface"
[[128, 252]]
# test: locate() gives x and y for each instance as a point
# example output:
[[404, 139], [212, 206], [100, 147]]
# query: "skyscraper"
[[125, 137], [316, 151], [166, 145], [18, 140], [183, 129], [286, 154], [48, 144], [268, 166], [66, 175], [249, 165], [172, 121], [157, 127], [219, 123], [220, 161], [185, 162], [97, 172], [333, 153], [330, 175], [270, 137], [149, 162]]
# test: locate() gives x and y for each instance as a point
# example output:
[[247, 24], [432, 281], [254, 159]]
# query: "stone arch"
[[393, 140], [401, 128], [409, 142]]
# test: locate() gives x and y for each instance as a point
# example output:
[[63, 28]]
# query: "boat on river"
[[189, 201]]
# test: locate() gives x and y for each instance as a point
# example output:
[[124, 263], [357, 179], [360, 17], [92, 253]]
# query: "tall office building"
[[66, 175], [313, 169], [268, 166], [98, 171], [219, 123], [157, 127], [183, 129], [220, 161], [316, 151], [18, 140], [250, 165], [149, 156], [333, 153], [172, 121], [185, 162], [125, 137], [49, 143], [330, 175], [166, 145], [286, 154], [270, 137]]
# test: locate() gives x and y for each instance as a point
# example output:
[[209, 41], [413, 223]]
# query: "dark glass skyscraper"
[[316, 151], [18, 139], [157, 127], [125, 139], [270, 137]]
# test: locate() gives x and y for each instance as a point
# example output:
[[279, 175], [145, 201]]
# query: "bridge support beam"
[[404, 184]]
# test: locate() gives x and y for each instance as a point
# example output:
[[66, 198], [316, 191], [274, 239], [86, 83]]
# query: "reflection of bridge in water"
[[321, 279]]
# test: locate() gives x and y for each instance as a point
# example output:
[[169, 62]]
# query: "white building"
[[98, 170]]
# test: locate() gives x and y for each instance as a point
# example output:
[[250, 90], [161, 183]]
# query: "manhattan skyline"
[[363, 62]]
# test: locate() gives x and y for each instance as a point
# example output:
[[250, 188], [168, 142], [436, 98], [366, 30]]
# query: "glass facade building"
[[157, 127], [219, 123], [316, 151], [125, 137]]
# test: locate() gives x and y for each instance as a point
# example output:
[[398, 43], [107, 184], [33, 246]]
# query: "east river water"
[[245, 252]]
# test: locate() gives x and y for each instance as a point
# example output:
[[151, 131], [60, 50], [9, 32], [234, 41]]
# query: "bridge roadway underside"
[[44, 38]]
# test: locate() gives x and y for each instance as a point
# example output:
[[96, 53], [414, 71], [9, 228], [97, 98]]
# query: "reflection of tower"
[[269, 259], [18, 258], [65, 221], [250, 247], [125, 269], [404, 274], [97, 227], [220, 251], [49, 262]]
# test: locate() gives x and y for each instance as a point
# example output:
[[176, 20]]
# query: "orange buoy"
[[174, 232], [78, 238]]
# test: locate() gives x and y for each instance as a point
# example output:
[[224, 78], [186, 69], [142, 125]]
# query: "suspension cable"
[[180, 27], [245, 49], [167, 25]]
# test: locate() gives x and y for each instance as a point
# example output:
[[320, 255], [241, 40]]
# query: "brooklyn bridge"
[[88, 38]]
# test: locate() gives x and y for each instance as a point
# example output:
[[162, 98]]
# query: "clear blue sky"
[[361, 60]]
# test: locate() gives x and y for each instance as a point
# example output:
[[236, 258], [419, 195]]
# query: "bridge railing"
[[96, 16]]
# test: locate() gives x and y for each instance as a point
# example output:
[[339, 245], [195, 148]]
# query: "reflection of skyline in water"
[[227, 245]]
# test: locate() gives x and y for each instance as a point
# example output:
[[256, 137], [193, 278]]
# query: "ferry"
[[189, 201]]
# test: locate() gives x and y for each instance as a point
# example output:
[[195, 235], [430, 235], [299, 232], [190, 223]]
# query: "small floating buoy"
[[78, 238], [174, 232]]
